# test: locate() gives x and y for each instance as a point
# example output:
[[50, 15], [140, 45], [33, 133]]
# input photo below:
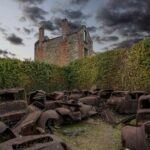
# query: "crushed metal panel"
[[36, 142]]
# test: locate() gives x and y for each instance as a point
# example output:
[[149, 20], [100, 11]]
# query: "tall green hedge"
[[30, 75], [120, 69]]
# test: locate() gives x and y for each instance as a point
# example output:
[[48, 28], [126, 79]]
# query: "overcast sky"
[[112, 23]]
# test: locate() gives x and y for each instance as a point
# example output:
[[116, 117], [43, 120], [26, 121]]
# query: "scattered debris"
[[124, 102], [74, 133], [31, 119], [13, 105]]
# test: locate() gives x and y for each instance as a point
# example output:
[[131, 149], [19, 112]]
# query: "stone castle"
[[71, 45]]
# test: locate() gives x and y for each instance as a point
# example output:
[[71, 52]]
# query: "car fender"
[[47, 115], [63, 111]]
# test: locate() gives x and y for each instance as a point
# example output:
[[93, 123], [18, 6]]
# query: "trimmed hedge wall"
[[120, 69], [30, 75]]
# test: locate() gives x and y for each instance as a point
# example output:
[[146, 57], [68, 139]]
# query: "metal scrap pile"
[[28, 122]]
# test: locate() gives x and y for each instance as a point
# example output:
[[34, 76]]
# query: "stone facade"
[[66, 48]]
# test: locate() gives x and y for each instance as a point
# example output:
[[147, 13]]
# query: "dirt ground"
[[92, 134]]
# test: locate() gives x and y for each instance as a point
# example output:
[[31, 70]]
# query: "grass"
[[93, 134]]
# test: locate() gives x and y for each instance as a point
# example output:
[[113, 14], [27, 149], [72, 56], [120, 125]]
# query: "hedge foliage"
[[120, 69], [30, 75]]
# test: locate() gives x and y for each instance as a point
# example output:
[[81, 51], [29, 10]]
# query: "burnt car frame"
[[97, 99], [10, 141], [68, 111], [13, 105], [35, 121], [143, 111], [47, 99], [138, 136], [125, 102], [73, 111]]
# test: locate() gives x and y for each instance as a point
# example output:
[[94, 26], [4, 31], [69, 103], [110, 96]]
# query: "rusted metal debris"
[[13, 105], [35, 142], [12, 141], [70, 110], [137, 137], [108, 116], [124, 102], [47, 110]]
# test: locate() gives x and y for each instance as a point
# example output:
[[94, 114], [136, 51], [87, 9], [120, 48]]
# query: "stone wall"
[[62, 51]]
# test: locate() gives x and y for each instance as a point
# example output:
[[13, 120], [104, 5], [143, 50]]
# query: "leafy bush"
[[30, 75]]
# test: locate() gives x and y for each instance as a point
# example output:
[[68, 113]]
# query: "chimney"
[[65, 28], [41, 35]]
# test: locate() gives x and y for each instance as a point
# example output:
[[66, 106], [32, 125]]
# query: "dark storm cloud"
[[99, 39], [48, 25], [3, 31], [14, 39], [57, 21], [79, 2], [18, 29], [129, 17], [74, 25], [126, 43], [27, 31], [34, 13], [30, 1], [74, 14], [22, 19], [92, 29], [6, 53]]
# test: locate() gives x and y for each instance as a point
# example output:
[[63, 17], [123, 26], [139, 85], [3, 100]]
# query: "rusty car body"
[[90, 100], [76, 94], [47, 99], [35, 121], [5, 133], [13, 105], [73, 111], [136, 137], [97, 99], [68, 111], [125, 102], [10, 141], [143, 111], [35, 142]]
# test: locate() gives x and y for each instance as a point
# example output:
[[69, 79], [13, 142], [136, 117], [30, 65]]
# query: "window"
[[85, 52], [84, 36]]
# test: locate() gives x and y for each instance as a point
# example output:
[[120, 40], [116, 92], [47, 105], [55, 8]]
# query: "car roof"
[[144, 97], [11, 91]]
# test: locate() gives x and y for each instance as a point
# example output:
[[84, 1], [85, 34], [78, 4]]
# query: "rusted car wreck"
[[70, 110], [13, 105], [137, 137], [125, 102], [9, 141]]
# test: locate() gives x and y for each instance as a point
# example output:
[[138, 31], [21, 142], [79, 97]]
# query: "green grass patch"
[[93, 134]]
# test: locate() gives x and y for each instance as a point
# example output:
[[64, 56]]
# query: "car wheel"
[[49, 126]]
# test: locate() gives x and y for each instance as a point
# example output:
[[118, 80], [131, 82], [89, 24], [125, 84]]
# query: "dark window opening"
[[132, 96], [85, 52], [145, 104]]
